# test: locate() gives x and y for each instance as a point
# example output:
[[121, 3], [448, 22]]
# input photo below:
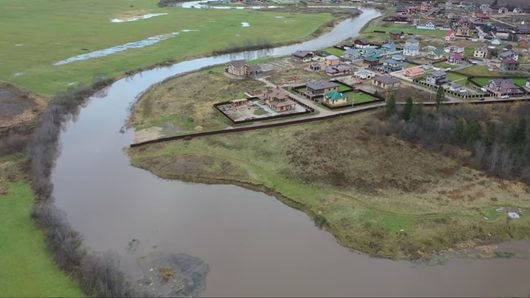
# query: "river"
[[254, 244]]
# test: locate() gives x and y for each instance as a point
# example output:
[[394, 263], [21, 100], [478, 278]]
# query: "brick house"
[[278, 100], [385, 82], [502, 87], [315, 89]]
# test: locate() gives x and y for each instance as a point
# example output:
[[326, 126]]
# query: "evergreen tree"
[[407, 110], [440, 97], [391, 105]]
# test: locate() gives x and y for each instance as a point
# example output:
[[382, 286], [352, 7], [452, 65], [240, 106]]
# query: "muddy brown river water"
[[253, 244]]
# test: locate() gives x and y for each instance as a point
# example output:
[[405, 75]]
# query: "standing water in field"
[[253, 244]]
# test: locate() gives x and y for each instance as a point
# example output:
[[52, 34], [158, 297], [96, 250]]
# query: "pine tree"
[[391, 105], [407, 110], [440, 97]]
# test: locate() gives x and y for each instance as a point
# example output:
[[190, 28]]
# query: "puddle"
[[131, 45], [19, 45], [245, 24], [137, 18]]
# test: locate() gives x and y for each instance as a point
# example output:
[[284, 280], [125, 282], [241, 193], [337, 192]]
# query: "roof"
[[332, 57], [319, 85], [253, 68], [438, 74], [302, 54], [438, 51], [391, 61], [456, 55], [238, 63], [277, 93], [335, 95], [449, 33], [481, 49], [509, 61], [412, 40], [504, 83], [415, 70], [387, 80], [371, 58]]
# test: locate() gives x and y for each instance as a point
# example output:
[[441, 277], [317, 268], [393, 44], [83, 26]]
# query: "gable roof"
[[335, 95], [319, 85]]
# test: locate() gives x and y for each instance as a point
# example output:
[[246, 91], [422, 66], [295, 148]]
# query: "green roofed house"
[[395, 34], [335, 98], [437, 54]]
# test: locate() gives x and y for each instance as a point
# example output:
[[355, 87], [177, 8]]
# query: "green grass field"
[[36, 34], [334, 51], [27, 269]]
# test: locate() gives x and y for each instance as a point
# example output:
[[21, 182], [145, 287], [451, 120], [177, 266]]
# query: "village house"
[[303, 56], [241, 68], [385, 82], [278, 100], [364, 74], [412, 47], [352, 54], [316, 89], [395, 34], [455, 49], [331, 60], [336, 70], [508, 54], [437, 78], [362, 43], [427, 26], [335, 98], [315, 66], [371, 61], [388, 47], [462, 30], [481, 53], [509, 64], [522, 43], [414, 72], [391, 65], [501, 87], [456, 58], [437, 54], [450, 36]]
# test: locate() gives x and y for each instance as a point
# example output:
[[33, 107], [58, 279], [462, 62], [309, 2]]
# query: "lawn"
[[334, 51], [27, 269], [374, 193], [37, 34], [359, 97], [457, 78]]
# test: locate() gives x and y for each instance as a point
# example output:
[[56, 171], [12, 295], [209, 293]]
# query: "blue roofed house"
[[390, 65], [388, 47], [412, 47], [352, 54]]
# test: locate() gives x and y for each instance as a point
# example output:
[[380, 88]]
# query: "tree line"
[[97, 274], [495, 139]]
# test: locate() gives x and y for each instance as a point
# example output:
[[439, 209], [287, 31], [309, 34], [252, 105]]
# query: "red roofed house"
[[450, 36], [414, 72]]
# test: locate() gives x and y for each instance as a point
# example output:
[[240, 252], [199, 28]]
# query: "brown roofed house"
[[385, 82], [315, 89], [278, 100]]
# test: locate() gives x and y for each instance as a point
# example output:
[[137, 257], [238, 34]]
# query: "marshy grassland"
[[37, 34], [376, 194]]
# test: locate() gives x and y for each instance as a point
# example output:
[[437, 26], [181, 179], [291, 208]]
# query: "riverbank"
[[379, 196]]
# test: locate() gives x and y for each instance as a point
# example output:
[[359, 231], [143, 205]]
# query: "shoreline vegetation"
[[362, 196]]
